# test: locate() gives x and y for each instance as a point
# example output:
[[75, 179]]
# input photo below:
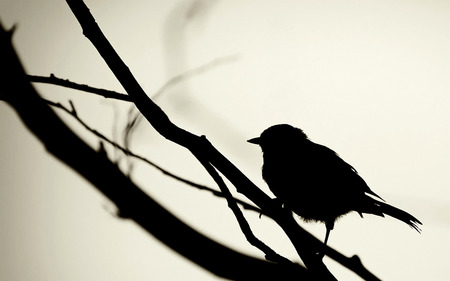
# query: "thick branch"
[[353, 263], [302, 241], [304, 245], [150, 110], [61, 142]]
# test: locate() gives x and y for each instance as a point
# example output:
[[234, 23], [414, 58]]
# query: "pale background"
[[369, 79]]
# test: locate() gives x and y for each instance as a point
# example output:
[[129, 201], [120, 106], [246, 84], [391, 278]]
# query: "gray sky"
[[370, 79]]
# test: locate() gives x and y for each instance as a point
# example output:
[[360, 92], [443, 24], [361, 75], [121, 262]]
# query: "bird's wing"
[[331, 161]]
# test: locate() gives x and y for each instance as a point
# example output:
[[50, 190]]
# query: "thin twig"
[[132, 123], [195, 71], [172, 82], [352, 263], [270, 254], [128, 152], [301, 240], [52, 79], [106, 177]]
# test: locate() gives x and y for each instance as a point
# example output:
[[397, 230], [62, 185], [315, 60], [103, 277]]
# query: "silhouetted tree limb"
[[232, 202], [52, 79], [270, 254], [300, 239], [128, 152], [353, 263], [200, 147], [134, 120], [132, 202]]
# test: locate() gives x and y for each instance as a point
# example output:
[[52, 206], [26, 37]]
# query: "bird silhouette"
[[315, 183]]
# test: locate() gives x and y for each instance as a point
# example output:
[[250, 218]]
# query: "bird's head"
[[279, 136]]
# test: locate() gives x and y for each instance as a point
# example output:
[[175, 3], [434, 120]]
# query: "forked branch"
[[305, 246], [130, 153], [132, 202]]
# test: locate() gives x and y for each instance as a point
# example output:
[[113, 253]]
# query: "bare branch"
[[353, 263], [132, 123], [301, 240], [52, 79], [128, 152], [136, 119], [305, 245], [129, 198], [243, 224], [183, 76]]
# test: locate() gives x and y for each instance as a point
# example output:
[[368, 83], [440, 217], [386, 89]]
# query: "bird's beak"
[[254, 141]]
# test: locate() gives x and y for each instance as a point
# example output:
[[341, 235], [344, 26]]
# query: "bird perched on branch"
[[314, 182]]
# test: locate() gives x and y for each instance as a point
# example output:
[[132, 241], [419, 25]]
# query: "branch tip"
[[73, 110], [11, 31]]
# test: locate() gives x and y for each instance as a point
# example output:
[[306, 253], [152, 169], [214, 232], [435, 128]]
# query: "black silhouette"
[[314, 182]]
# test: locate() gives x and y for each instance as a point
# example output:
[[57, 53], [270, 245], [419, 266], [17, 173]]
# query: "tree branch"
[[304, 245], [135, 120], [353, 263], [128, 152], [198, 70], [94, 166], [52, 79], [270, 254]]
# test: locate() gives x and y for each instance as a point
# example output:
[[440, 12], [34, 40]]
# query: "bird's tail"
[[400, 215]]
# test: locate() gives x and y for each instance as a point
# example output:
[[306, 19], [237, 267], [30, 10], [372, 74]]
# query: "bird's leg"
[[329, 226]]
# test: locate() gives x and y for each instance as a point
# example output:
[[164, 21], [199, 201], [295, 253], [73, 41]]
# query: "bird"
[[315, 183]]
